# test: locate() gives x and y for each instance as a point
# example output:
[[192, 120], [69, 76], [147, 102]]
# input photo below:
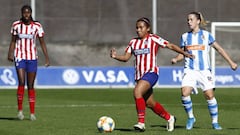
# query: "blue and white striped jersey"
[[197, 44]]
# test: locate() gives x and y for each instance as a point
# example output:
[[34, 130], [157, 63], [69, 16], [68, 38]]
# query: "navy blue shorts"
[[28, 65], [151, 77]]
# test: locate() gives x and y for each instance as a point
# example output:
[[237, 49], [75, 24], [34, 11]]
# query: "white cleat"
[[171, 123], [139, 127], [33, 117], [20, 115]]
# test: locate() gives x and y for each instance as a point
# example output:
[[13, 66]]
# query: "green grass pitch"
[[75, 112]]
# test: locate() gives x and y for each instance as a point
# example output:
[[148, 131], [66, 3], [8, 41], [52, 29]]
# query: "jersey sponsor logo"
[[26, 36], [195, 47], [142, 51]]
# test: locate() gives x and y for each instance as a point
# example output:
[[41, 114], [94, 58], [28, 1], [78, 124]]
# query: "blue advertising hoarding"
[[106, 77]]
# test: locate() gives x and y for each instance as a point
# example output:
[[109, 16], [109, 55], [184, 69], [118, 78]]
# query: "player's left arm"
[[225, 55], [44, 49]]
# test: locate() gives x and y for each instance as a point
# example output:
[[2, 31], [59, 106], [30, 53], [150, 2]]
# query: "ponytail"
[[203, 22]]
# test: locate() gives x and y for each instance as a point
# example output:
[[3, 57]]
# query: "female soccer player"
[[198, 71], [23, 52], [145, 48]]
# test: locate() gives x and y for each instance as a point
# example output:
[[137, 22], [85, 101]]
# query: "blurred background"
[[82, 32]]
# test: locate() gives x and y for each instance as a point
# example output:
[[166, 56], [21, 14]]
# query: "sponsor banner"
[[106, 77], [224, 77]]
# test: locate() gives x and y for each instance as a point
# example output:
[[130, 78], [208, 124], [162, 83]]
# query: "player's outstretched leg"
[[159, 110]]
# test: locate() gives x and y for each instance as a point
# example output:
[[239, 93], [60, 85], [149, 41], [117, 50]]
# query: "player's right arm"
[[11, 48], [124, 58]]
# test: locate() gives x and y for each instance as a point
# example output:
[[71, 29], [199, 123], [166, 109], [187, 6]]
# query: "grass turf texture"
[[75, 112]]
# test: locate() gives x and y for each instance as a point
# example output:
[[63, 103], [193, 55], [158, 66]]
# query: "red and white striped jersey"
[[145, 52], [25, 47]]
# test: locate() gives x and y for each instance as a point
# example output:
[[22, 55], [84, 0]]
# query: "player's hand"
[[10, 59], [113, 53], [234, 66], [174, 60], [47, 63]]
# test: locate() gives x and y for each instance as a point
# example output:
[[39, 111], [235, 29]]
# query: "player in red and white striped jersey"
[[145, 48], [23, 52]]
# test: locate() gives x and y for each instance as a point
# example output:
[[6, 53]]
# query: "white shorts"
[[194, 78]]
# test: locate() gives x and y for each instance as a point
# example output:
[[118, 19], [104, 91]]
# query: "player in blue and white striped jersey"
[[197, 71]]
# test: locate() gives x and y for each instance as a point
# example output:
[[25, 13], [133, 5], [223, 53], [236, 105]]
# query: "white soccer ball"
[[105, 124]]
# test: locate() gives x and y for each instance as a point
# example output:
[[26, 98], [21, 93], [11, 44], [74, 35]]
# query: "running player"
[[23, 52], [145, 48], [198, 70]]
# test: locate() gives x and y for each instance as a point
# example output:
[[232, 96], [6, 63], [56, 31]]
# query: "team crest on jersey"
[[209, 78], [146, 42], [203, 37]]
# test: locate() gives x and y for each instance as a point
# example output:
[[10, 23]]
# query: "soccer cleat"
[[32, 117], [171, 123], [190, 123], [216, 126], [20, 115], [139, 127]]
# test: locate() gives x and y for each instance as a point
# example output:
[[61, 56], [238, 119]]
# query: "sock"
[[141, 107], [159, 110], [187, 104], [213, 109], [31, 100], [20, 94]]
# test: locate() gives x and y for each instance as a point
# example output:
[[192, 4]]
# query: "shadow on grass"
[[176, 126], [153, 126], [9, 118], [125, 130], [233, 128], [164, 126]]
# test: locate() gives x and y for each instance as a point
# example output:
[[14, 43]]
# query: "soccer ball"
[[105, 124]]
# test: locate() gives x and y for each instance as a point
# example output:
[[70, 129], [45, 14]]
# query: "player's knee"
[[186, 93]]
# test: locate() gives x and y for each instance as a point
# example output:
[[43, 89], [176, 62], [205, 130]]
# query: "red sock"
[[141, 107], [159, 110], [20, 94], [31, 100]]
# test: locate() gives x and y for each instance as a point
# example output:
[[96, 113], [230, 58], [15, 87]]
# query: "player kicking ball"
[[145, 48]]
